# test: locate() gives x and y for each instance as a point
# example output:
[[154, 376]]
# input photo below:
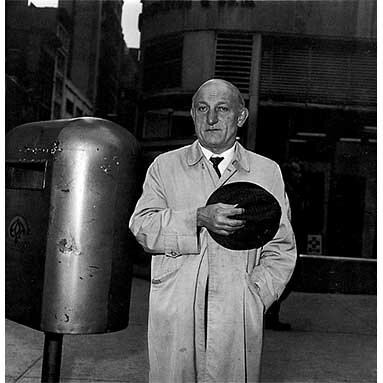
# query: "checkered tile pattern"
[[314, 244]]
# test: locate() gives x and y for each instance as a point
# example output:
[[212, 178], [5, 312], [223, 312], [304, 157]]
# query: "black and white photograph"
[[190, 191]]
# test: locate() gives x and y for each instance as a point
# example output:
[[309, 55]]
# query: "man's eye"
[[202, 108], [223, 108]]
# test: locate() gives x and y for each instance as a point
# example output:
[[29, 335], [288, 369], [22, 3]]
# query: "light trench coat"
[[241, 284]]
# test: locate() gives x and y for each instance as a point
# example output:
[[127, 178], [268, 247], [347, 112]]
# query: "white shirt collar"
[[227, 156]]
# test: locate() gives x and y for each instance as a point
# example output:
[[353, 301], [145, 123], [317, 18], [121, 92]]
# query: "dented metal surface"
[[74, 261], [52, 149]]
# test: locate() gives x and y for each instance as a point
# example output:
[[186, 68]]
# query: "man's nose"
[[212, 117]]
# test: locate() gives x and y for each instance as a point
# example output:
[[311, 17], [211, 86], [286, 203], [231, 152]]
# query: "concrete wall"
[[340, 19], [198, 58]]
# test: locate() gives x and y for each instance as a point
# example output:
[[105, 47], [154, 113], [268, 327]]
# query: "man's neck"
[[208, 152]]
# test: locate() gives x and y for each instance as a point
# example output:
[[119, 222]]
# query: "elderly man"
[[207, 302]]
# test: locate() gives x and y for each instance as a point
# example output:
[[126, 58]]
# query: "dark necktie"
[[215, 161]]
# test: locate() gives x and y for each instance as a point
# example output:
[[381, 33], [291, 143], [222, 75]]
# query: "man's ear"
[[192, 113], [242, 116]]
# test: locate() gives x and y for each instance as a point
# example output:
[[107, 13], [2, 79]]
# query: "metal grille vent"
[[233, 59], [331, 73]]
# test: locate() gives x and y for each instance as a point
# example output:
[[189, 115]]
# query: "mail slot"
[[71, 186]]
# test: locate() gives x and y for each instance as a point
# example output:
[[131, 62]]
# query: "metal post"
[[52, 358]]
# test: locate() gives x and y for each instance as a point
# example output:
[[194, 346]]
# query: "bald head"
[[235, 91], [218, 111]]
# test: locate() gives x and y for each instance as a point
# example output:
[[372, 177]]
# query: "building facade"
[[95, 50], [31, 45], [307, 71], [68, 101], [128, 95], [65, 61], [37, 53]]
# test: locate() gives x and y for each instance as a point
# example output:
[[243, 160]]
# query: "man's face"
[[217, 114]]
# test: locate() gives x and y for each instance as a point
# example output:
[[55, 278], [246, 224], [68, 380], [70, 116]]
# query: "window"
[[45, 82], [61, 62], [182, 125], [69, 107], [63, 35], [79, 112], [58, 88], [163, 63], [168, 123], [157, 124], [57, 110], [326, 72]]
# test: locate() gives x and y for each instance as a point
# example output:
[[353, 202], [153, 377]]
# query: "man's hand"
[[216, 218]]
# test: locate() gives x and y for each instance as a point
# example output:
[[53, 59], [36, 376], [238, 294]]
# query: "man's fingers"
[[224, 232], [227, 205], [235, 222], [229, 210], [218, 218], [225, 220], [230, 227], [227, 231], [237, 211]]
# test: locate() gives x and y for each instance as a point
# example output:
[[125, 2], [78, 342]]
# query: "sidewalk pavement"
[[333, 339]]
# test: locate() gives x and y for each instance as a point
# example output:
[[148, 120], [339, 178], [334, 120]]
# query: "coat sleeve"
[[277, 257], [159, 229]]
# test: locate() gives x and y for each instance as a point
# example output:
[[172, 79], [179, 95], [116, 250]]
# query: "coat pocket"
[[165, 268], [163, 278]]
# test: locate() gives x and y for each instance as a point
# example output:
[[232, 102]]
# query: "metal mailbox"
[[71, 186]]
